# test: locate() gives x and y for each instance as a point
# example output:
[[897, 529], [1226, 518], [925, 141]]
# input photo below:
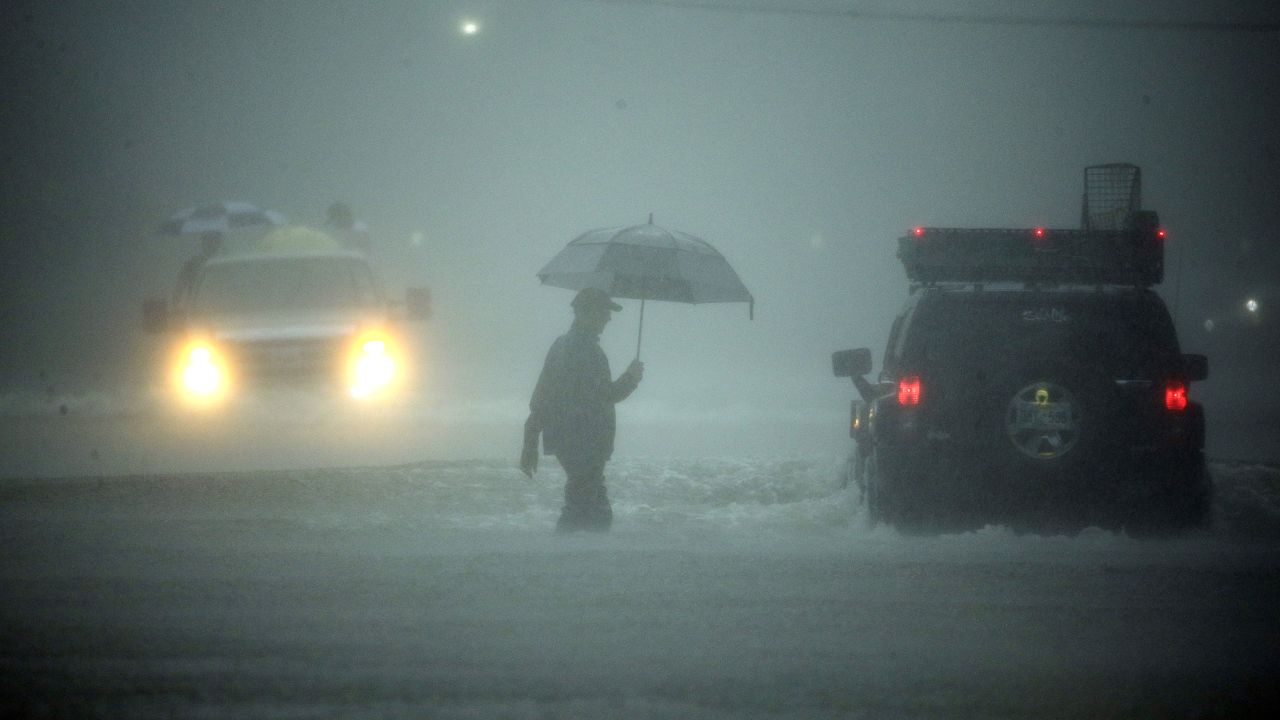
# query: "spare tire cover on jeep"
[[1049, 413], [1044, 420]]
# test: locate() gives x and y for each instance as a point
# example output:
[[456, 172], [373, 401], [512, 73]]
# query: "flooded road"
[[730, 588]]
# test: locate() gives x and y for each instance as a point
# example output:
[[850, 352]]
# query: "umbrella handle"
[[640, 333]]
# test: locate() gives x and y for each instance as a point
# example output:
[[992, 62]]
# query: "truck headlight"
[[202, 375], [373, 368]]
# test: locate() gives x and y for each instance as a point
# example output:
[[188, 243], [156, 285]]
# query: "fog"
[[798, 138], [300, 557]]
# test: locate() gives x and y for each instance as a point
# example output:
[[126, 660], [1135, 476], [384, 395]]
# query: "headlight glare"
[[374, 367], [201, 374]]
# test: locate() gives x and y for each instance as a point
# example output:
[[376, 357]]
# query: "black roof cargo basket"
[[1131, 255], [1112, 196]]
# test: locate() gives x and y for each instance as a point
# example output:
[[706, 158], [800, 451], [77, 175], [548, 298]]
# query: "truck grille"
[[285, 359]]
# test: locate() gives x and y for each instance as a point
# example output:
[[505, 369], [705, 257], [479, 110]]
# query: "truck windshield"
[[290, 283]]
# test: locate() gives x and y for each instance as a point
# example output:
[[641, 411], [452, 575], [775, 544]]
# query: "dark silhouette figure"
[[350, 232], [572, 409]]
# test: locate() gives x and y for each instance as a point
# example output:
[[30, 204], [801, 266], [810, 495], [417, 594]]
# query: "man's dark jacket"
[[572, 404]]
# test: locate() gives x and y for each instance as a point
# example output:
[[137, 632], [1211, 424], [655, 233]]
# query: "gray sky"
[[800, 144]]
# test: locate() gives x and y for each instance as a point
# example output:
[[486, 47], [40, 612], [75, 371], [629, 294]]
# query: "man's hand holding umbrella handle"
[[636, 371]]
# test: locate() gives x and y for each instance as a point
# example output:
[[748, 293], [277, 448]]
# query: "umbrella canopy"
[[646, 262], [219, 218]]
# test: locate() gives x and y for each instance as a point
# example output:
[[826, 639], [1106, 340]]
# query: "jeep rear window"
[[303, 283], [1131, 331]]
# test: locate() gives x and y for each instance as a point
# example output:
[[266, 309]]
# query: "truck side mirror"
[[417, 303], [155, 315], [1195, 366], [851, 363]]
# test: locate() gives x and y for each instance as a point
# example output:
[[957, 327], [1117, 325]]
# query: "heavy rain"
[[364, 543]]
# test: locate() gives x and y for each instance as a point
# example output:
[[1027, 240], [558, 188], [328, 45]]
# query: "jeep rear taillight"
[[909, 390], [1175, 396]]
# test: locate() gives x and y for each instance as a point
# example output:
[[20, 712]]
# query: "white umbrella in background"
[[646, 262], [221, 218]]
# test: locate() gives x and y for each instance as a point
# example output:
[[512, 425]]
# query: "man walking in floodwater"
[[572, 408]]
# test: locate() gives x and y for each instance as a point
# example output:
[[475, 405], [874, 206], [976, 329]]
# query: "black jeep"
[[1033, 379]]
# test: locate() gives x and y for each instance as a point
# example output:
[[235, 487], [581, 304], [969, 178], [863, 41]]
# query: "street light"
[[469, 27]]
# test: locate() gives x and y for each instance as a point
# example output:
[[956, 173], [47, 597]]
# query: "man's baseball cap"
[[594, 298]]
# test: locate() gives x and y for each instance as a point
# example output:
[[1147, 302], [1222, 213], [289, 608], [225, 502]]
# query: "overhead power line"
[[954, 18]]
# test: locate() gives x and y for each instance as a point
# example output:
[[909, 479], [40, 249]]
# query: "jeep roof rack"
[[1130, 256], [1119, 244]]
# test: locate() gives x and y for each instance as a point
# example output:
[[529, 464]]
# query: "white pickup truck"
[[315, 317]]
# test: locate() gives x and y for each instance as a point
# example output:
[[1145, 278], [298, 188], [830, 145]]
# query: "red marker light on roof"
[[1160, 233], [917, 231], [1038, 232]]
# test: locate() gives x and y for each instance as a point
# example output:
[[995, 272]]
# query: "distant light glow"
[[1038, 232], [1251, 305], [1160, 233], [470, 27], [1208, 324], [917, 231]]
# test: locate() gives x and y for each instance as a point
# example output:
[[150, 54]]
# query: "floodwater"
[[729, 588]]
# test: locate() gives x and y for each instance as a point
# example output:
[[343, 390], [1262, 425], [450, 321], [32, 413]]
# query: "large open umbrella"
[[646, 262], [220, 217]]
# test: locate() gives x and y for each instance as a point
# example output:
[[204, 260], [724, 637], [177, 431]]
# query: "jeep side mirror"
[[851, 363], [155, 315], [1195, 366], [417, 303]]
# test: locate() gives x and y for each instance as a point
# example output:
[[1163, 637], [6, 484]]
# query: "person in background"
[[572, 410], [352, 233]]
